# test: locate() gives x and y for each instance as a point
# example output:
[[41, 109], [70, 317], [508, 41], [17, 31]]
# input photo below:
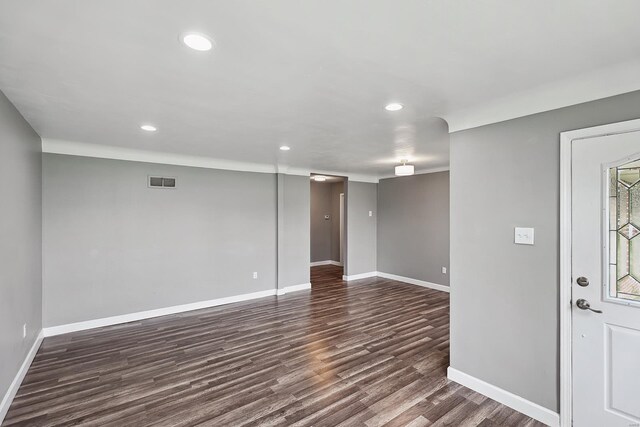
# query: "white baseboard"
[[327, 262], [17, 380], [397, 278], [294, 288], [414, 281], [507, 398], [317, 263], [360, 276], [132, 317]]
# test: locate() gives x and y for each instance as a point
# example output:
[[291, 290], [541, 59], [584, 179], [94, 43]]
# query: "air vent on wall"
[[161, 182]]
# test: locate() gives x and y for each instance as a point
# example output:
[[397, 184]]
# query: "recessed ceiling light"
[[197, 41], [149, 128], [285, 148], [394, 106], [319, 178]]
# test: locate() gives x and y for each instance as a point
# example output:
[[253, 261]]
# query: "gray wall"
[[320, 228], [293, 230], [504, 298], [20, 240], [413, 226], [113, 246], [361, 228]]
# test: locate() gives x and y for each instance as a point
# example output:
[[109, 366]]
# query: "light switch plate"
[[524, 236]]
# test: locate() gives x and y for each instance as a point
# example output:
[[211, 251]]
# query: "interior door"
[[606, 280]]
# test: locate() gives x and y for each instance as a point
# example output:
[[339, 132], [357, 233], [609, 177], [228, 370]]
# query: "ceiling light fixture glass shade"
[[285, 148], [319, 178], [404, 169], [149, 128], [394, 106], [197, 41]]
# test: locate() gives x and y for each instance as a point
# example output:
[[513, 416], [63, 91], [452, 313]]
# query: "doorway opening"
[[328, 228]]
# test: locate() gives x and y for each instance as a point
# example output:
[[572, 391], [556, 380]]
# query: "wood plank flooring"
[[370, 353]]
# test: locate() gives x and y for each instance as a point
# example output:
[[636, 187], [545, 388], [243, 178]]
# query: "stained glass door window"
[[624, 232]]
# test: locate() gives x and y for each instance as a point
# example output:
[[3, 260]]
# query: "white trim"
[[566, 139], [132, 317], [327, 262], [360, 276], [341, 227], [350, 176], [589, 86], [74, 148], [318, 263], [293, 288], [286, 170], [418, 172], [411, 281], [17, 380], [395, 277], [565, 281], [505, 397]]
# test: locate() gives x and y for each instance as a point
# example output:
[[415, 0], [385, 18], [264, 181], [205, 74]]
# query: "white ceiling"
[[312, 74]]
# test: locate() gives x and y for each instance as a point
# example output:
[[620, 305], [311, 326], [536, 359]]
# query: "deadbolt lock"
[[583, 281]]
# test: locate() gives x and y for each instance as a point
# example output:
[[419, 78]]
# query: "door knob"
[[583, 304]]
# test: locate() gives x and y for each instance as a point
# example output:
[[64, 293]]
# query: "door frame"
[[566, 140], [342, 228]]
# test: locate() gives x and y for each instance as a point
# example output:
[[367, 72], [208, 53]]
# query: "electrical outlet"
[[444, 270], [24, 330], [370, 213], [255, 274]]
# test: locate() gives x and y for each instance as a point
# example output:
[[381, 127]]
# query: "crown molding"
[[84, 149], [287, 170], [73, 148], [590, 86], [350, 176]]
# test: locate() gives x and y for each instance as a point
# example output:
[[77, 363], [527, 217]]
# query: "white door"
[[606, 280]]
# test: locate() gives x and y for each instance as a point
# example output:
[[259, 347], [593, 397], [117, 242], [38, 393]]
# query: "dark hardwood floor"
[[370, 353]]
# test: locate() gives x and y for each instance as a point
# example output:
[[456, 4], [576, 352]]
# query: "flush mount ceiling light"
[[285, 148], [197, 41], [404, 169], [149, 128], [319, 178], [394, 106]]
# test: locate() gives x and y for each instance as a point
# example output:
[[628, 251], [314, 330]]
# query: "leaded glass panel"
[[624, 231]]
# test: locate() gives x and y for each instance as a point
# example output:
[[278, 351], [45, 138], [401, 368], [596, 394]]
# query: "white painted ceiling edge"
[[83, 149], [590, 86]]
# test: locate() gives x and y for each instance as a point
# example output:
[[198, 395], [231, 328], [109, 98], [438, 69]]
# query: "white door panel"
[[605, 346]]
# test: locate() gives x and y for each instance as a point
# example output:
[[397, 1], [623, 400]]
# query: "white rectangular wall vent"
[[161, 182]]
